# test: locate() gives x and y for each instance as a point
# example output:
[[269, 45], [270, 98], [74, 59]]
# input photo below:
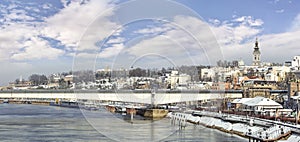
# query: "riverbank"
[[246, 130]]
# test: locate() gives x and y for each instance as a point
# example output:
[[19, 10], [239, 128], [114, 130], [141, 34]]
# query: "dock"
[[257, 129], [274, 133]]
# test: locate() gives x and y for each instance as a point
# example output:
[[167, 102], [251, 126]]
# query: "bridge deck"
[[138, 96]]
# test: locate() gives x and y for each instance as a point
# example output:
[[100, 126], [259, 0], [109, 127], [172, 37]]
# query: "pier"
[[271, 134], [274, 132], [267, 130]]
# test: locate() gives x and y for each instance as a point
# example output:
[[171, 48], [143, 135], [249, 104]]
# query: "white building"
[[175, 79], [241, 63], [296, 62], [277, 73], [261, 105], [207, 73]]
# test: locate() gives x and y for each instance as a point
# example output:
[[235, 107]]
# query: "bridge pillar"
[[153, 104]]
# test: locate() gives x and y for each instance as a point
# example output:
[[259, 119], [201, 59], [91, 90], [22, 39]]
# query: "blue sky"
[[52, 36], [277, 15]]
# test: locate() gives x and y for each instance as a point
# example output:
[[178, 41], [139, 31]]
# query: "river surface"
[[50, 123]]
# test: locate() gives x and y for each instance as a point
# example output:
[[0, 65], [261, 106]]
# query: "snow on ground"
[[223, 124], [238, 127]]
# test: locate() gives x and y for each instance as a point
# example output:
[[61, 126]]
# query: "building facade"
[[296, 63]]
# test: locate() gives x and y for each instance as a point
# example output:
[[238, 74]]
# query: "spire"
[[256, 43]]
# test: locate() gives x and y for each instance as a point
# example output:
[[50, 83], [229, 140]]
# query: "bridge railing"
[[117, 91]]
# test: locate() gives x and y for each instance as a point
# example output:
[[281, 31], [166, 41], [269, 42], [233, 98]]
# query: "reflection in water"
[[48, 123]]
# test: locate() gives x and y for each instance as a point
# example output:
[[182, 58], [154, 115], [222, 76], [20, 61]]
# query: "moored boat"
[[68, 104]]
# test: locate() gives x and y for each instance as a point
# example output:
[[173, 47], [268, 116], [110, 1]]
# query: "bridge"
[[133, 96]]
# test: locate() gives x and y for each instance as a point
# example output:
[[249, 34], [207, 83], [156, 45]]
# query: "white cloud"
[[158, 44], [13, 15], [276, 1], [240, 19], [22, 42], [185, 38], [231, 36], [12, 38], [279, 47], [71, 22], [152, 30], [22, 39], [236, 38], [227, 35], [18, 16], [116, 40], [36, 48], [188, 40], [279, 11], [215, 21], [65, 2], [249, 21], [12, 6], [111, 51], [47, 6], [256, 22], [84, 55], [237, 31], [295, 24], [238, 41]]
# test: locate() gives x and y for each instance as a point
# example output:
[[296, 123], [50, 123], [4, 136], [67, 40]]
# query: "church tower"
[[256, 55]]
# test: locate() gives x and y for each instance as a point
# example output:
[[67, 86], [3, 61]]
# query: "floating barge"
[[67, 104], [154, 113]]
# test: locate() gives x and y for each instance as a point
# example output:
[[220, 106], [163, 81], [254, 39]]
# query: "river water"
[[49, 123]]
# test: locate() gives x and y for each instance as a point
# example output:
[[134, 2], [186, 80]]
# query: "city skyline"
[[44, 37]]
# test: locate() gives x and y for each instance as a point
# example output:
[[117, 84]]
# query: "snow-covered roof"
[[261, 101], [285, 110], [253, 101], [69, 75], [296, 97], [268, 102], [240, 101], [235, 101]]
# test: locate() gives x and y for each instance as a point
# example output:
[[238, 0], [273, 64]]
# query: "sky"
[[52, 36]]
